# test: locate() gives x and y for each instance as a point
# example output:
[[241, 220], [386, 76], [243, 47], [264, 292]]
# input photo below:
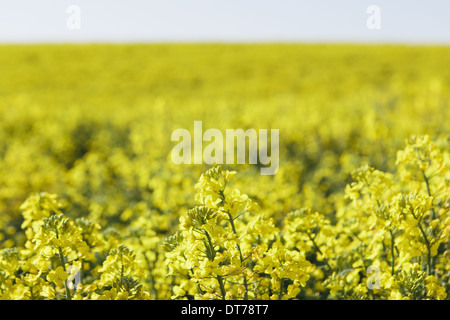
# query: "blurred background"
[[88, 105]]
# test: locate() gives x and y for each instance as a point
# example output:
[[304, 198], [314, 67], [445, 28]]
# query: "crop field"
[[93, 205]]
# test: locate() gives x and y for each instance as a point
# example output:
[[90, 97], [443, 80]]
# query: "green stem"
[[392, 252], [318, 250], [222, 287], [280, 293], [433, 214], [61, 259], [230, 218], [211, 253], [63, 264], [428, 245], [31, 292]]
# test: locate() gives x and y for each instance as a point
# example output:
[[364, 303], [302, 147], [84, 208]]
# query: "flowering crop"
[[92, 207]]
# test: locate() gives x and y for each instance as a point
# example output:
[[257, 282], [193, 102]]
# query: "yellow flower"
[[109, 294], [19, 292], [57, 276], [48, 292], [434, 288]]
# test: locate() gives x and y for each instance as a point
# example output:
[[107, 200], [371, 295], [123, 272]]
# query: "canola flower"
[[91, 207], [225, 248]]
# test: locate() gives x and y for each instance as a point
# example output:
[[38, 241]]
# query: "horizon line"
[[227, 42]]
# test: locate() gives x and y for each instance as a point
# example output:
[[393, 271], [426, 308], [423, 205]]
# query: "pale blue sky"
[[417, 21]]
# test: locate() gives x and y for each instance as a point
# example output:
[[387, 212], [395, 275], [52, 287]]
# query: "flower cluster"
[[388, 239], [311, 231], [219, 251], [58, 250], [399, 224]]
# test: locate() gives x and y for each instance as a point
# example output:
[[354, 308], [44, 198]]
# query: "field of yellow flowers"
[[93, 207]]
